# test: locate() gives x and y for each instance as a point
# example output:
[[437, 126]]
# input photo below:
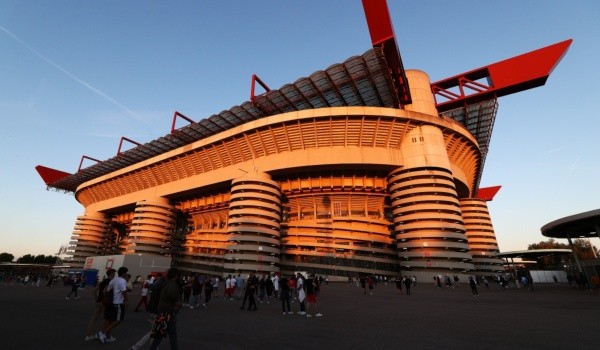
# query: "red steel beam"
[[256, 79], [175, 115], [123, 138], [50, 175], [86, 157], [488, 193], [506, 77], [382, 35]]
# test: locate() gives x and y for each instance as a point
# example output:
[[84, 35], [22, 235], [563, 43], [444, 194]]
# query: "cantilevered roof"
[[533, 253], [580, 225], [359, 81], [365, 80], [479, 119]]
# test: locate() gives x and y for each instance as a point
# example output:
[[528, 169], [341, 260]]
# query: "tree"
[[549, 244], [38, 259], [582, 247], [6, 257], [26, 259]]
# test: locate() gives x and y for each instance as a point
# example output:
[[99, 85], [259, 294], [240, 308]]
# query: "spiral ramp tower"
[[429, 227], [427, 216], [90, 237], [152, 227], [480, 234], [253, 225]]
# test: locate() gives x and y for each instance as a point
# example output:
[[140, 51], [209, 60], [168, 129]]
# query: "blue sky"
[[75, 76]]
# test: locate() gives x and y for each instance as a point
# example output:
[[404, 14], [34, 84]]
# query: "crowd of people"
[[163, 296], [36, 279]]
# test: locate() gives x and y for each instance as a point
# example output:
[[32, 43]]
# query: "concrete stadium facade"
[[362, 168], [338, 191]]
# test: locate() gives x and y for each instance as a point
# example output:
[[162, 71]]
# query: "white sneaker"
[[101, 336], [303, 313], [89, 338], [110, 340], [319, 315], [309, 315]]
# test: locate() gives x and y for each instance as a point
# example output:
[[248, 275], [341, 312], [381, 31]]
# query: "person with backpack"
[[169, 304], [114, 314], [98, 296]]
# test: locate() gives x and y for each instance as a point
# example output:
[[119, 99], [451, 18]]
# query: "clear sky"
[[75, 76]]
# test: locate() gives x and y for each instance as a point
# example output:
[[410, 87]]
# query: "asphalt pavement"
[[553, 316]]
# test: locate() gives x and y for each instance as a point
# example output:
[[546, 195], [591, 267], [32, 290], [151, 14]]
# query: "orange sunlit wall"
[[339, 191]]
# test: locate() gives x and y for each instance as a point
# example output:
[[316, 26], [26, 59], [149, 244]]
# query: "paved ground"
[[551, 317]]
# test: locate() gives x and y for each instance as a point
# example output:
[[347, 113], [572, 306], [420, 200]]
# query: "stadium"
[[360, 168]]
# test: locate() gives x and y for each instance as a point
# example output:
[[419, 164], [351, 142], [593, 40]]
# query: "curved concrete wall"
[[481, 236], [341, 191], [90, 236], [152, 227], [254, 224]]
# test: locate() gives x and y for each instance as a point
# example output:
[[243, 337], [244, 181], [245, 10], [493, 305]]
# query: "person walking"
[[275, 285], [98, 296], [371, 284], [262, 288], [473, 286], [301, 293], [169, 303], [208, 290], [187, 291], [311, 297], [144, 295], [114, 314], [251, 291], [215, 285], [75, 284], [399, 285], [196, 291], [363, 284], [284, 294], [239, 287], [407, 283], [229, 287], [155, 288]]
